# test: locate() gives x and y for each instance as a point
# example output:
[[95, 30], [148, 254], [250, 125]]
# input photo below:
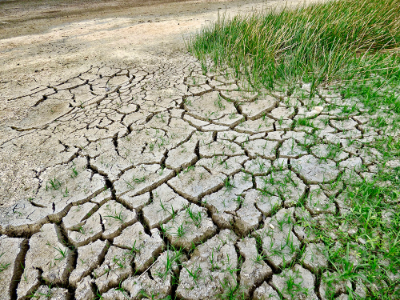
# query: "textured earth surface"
[[156, 179], [162, 180]]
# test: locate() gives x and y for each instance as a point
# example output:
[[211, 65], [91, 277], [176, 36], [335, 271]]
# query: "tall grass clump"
[[338, 40]]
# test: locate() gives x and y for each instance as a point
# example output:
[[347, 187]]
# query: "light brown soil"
[[115, 142], [43, 42]]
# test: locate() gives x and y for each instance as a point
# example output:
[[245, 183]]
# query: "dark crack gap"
[[115, 142], [19, 268]]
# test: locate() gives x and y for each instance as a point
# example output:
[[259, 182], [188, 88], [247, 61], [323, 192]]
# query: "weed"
[[134, 249], [38, 295], [293, 287], [259, 258], [231, 291], [196, 217], [246, 177], [118, 262], [194, 273], [218, 103], [239, 200], [74, 172], [98, 295], [131, 184], [116, 216], [53, 184], [81, 229], [139, 180], [163, 230], [63, 253], [66, 192], [3, 266], [228, 184], [173, 213], [163, 206], [212, 262], [181, 231], [190, 168]]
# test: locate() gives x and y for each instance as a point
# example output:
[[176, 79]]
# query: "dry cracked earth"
[[157, 181]]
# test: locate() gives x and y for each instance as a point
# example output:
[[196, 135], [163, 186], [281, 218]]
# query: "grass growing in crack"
[[304, 122], [190, 168], [194, 273], [98, 295], [196, 217], [293, 287], [180, 231], [74, 173], [228, 184], [260, 258], [352, 41], [173, 213], [173, 259], [3, 266], [218, 103], [231, 291], [119, 262], [121, 289], [38, 295], [239, 200], [366, 246], [63, 253], [116, 216], [53, 184], [135, 180]]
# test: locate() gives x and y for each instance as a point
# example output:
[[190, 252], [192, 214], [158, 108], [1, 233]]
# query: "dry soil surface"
[[116, 151]]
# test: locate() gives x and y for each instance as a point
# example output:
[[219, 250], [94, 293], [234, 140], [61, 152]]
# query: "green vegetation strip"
[[354, 42], [354, 48], [369, 233]]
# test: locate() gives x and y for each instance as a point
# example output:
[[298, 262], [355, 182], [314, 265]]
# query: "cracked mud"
[[161, 180]]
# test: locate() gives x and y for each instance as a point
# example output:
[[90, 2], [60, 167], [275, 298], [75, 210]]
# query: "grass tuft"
[[354, 42]]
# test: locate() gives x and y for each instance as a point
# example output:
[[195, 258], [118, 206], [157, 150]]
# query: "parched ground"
[[151, 178]]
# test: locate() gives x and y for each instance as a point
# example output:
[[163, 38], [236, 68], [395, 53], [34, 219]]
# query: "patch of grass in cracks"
[[352, 46], [228, 184], [370, 254]]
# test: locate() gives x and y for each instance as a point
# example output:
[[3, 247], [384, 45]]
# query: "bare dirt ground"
[[128, 173], [46, 42], [70, 40]]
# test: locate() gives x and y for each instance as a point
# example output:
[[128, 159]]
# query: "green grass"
[[3, 266], [376, 215], [353, 48], [370, 251], [354, 42]]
